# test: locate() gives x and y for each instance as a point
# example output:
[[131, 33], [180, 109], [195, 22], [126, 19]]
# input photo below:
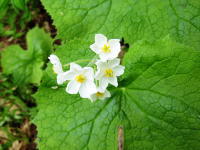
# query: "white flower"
[[108, 72], [107, 49], [81, 80], [57, 68], [99, 95]]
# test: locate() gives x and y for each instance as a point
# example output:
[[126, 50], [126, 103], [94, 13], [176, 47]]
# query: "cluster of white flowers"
[[87, 82]]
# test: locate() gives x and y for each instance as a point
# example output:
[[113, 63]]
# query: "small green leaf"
[[19, 4], [40, 42], [3, 8], [26, 66]]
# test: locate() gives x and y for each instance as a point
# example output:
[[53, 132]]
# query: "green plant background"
[[157, 102]]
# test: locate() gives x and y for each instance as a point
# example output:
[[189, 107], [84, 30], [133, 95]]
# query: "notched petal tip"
[[57, 66], [100, 36], [100, 40], [53, 59]]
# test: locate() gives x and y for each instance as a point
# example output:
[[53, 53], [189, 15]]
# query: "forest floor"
[[20, 135]]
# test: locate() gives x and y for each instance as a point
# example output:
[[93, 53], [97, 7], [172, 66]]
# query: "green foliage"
[[158, 106], [157, 102], [13, 110], [132, 19], [20, 4], [10, 105], [3, 7], [13, 16], [26, 66]]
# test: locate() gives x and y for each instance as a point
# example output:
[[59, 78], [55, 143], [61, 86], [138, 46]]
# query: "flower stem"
[[79, 61], [91, 61]]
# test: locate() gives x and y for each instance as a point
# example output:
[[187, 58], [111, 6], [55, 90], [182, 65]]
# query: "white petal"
[[103, 84], [69, 75], [104, 57], [60, 79], [75, 67], [100, 64], [107, 93], [95, 48], [98, 74], [114, 62], [89, 73], [87, 88], [115, 45], [93, 97], [115, 42], [73, 87], [99, 89], [108, 56], [53, 59], [113, 81], [100, 39], [57, 67], [119, 70]]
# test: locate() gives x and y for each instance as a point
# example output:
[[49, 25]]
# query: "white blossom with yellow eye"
[[57, 68], [107, 72], [100, 95], [106, 49], [81, 80]]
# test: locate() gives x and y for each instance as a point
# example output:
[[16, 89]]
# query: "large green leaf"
[[132, 19], [157, 104], [26, 66]]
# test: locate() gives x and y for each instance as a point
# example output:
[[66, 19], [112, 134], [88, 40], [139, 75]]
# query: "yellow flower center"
[[80, 78], [106, 48], [99, 94], [53, 70], [108, 73]]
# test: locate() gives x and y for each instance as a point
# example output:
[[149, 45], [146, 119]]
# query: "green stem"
[[78, 61], [91, 61]]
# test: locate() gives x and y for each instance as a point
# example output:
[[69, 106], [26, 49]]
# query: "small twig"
[[120, 138], [4, 138], [78, 61], [93, 60]]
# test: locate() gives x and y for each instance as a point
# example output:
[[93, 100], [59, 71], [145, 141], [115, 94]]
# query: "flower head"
[[81, 80], [107, 49], [108, 72], [57, 68], [99, 95]]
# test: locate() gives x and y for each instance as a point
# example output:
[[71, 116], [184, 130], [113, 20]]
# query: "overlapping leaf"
[[132, 19], [157, 103], [26, 66]]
